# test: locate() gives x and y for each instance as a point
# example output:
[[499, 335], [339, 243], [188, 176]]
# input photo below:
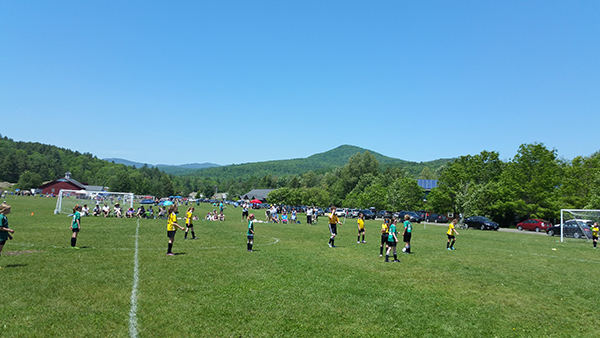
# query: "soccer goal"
[[67, 199], [577, 223]]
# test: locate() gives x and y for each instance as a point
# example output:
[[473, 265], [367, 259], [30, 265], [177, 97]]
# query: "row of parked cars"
[[576, 228]]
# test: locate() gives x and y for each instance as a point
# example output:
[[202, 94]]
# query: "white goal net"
[[68, 199], [577, 223]]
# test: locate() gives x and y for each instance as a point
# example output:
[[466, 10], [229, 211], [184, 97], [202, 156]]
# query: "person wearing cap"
[[4, 230], [250, 234], [75, 225]]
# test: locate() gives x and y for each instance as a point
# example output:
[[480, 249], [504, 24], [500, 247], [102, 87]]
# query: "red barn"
[[62, 183]]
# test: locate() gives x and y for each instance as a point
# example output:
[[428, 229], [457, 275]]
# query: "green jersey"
[[250, 228], [4, 224], [392, 232], [408, 227], [76, 217]]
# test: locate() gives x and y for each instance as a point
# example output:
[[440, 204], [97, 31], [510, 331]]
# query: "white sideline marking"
[[549, 256], [133, 332]]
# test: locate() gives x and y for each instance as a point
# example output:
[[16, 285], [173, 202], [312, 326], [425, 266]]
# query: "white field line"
[[544, 255], [133, 332]]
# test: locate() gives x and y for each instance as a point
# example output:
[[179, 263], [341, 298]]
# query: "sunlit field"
[[494, 284]]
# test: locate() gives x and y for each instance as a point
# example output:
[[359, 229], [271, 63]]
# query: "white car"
[[340, 212]]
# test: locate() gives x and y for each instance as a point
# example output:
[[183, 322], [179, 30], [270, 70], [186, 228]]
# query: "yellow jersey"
[[595, 231], [361, 224], [333, 219], [188, 217], [385, 228], [171, 222], [450, 228]]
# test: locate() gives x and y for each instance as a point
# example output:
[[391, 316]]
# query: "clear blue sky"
[[225, 82]]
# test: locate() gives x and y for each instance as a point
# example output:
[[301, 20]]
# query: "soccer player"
[[245, 212], [75, 225], [361, 228], [4, 230], [171, 224], [392, 242], [188, 223], [250, 234], [595, 230], [407, 234], [333, 222], [385, 228], [451, 237]]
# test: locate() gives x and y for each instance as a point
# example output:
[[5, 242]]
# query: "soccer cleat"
[[364, 241], [448, 249], [396, 261], [380, 255], [170, 254], [386, 261], [358, 242], [452, 248], [195, 238], [333, 246], [330, 245], [250, 250]]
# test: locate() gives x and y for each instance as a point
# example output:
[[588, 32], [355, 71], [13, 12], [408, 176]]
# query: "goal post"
[[577, 223], [68, 199]]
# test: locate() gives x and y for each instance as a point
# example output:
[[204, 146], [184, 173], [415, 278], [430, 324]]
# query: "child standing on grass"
[[4, 230], [333, 222], [188, 223], [385, 228], [250, 234], [451, 237], [75, 225], [407, 234], [392, 242], [171, 224], [595, 230], [361, 228]]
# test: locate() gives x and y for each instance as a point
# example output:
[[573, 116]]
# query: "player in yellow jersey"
[[188, 223], [333, 222], [451, 237], [171, 224], [595, 230], [385, 231], [361, 228]]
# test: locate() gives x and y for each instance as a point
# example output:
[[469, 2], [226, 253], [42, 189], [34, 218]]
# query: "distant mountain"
[[320, 162], [169, 169]]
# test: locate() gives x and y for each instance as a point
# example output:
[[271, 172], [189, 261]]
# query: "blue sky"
[[225, 82]]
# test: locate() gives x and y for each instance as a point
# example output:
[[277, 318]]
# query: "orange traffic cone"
[[32, 214]]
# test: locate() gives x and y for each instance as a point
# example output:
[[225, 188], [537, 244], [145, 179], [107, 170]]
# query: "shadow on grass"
[[179, 253], [15, 265]]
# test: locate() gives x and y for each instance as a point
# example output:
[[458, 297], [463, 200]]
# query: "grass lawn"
[[496, 284]]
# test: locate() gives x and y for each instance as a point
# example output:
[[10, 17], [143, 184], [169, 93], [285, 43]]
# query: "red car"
[[534, 225]]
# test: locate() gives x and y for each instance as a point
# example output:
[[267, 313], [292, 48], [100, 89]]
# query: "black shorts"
[[171, 234], [361, 230], [451, 237], [595, 238], [407, 236], [75, 229], [250, 237], [333, 229], [384, 238], [2, 242], [189, 225], [392, 243], [244, 213]]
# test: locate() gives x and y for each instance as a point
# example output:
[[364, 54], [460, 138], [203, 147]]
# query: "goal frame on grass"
[[578, 214], [67, 199]]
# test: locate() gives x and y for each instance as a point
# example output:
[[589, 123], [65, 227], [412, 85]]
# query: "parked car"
[[352, 213], [414, 217], [340, 212], [368, 214], [480, 222], [534, 224], [384, 214], [572, 229], [320, 212], [437, 218]]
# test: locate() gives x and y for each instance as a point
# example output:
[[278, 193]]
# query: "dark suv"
[[368, 214], [384, 214]]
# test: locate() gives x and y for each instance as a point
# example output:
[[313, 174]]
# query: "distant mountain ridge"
[[164, 167]]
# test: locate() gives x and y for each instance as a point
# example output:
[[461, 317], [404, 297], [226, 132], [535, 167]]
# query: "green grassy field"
[[496, 284]]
